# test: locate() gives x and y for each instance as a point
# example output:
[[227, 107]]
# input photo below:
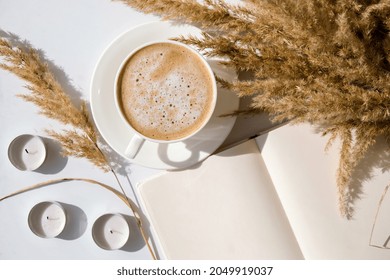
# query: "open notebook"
[[270, 198]]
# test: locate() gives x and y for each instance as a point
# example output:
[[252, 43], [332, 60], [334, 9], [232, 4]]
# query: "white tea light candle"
[[47, 219], [27, 152], [111, 231]]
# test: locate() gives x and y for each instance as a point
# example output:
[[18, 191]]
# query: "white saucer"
[[113, 129]]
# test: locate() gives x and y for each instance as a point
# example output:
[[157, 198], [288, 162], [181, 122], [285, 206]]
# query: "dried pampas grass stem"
[[120, 195]]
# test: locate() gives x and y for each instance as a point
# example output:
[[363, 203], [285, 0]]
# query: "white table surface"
[[72, 34]]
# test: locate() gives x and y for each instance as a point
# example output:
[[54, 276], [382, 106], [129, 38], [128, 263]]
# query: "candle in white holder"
[[111, 231], [47, 219], [27, 152]]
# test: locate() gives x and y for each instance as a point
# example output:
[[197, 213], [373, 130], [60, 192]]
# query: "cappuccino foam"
[[166, 91]]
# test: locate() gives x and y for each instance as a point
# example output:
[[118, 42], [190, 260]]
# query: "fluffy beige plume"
[[49, 96]]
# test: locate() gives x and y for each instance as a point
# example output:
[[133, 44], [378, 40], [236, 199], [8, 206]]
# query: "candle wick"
[[29, 152], [112, 231], [51, 219]]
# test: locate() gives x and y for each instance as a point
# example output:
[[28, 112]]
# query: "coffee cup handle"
[[134, 146]]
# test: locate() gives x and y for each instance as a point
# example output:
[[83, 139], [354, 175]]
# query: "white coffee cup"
[[162, 86]]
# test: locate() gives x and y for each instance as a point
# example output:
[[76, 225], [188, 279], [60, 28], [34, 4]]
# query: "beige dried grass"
[[53, 102]]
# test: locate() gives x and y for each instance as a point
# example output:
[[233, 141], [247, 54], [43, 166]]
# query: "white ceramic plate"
[[113, 129]]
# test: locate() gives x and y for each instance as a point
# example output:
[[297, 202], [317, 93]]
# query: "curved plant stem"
[[120, 195], [375, 219]]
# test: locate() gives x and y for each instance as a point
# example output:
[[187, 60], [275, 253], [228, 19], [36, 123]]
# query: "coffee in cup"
[[166, 92]]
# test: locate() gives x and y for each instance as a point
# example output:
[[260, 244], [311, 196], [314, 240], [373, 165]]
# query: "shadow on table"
[[76, 222], [54, 162], [135, 241], [61, 77]]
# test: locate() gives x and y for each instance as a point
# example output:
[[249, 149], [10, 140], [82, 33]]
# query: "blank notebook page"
[[223, 208]]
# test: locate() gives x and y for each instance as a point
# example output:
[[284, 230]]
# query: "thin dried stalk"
[[384, 246], [120, 195]]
